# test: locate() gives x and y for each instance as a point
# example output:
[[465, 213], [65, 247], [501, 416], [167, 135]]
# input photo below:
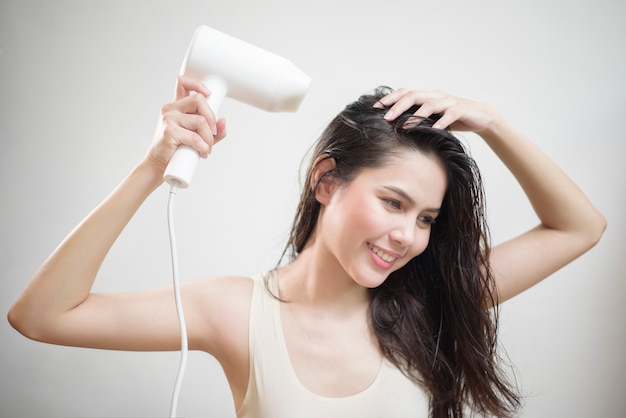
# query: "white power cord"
[[184, 349]]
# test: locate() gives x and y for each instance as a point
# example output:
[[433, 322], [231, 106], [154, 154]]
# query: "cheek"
[[365, 215], [351, 221], [422, 238], [371, 220]]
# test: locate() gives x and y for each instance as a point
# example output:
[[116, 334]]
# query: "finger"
[[221, 130], [206, 111], [447, 119], [177, 134], [199, 125], [436, 106], [185, 85], [404, 102], [390, 99], [407, 99], [194, 104]]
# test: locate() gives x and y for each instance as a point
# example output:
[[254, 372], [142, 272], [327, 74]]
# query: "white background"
[[81, 84]]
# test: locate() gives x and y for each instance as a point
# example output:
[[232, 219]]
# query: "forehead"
[[414, 161], [422, 176]]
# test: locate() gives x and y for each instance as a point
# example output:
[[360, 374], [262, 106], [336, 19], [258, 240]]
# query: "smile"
[[381, 254]]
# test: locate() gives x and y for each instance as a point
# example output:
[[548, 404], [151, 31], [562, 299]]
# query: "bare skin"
[[59, 307], [326, 322]]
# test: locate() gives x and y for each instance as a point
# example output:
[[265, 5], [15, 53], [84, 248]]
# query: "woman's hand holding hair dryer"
[[189, 120]]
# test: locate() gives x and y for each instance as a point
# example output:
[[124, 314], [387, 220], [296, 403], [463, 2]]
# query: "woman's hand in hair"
[[452, 112], [188, 120]]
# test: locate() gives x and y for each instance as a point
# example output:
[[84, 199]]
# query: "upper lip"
[[386, 251]]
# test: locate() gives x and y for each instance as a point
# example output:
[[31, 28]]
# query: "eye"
[[426, 220], [392, 203]]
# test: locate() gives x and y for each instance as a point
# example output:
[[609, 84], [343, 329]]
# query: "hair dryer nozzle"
[[253, 75]]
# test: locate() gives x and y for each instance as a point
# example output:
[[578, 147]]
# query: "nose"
[[404, 233], [410, 237]]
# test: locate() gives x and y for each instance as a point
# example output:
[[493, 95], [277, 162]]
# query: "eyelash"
[[396, 204]]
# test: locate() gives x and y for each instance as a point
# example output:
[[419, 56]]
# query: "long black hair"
[[436, 318]]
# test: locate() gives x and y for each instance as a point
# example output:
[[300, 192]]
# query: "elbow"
[[601, 227], [596, 229], [16, 320], [23, 323]]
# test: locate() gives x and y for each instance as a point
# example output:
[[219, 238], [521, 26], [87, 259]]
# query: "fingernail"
[[379, 105]]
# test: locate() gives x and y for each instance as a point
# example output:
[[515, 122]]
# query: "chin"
[[372, 281]]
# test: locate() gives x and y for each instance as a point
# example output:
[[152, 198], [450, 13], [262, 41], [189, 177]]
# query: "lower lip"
[[385, 265]]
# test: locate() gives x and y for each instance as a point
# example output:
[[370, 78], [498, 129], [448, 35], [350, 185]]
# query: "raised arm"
[[569, 223], [57, 305]]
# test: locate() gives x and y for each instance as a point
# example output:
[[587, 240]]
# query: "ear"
[[323, 184]]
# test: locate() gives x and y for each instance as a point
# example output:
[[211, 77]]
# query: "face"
[[375, 224]]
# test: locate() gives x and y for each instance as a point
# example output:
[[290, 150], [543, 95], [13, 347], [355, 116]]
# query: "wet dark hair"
[[436, 318]]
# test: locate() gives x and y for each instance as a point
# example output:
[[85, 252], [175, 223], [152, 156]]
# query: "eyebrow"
[[408, 198]]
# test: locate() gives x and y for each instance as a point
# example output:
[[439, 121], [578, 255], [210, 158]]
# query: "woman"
[[388, 305]]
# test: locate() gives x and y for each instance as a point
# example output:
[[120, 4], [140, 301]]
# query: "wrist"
[[494, 126], [150, 173]]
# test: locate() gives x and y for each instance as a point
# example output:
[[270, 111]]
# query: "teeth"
[[388, 258]]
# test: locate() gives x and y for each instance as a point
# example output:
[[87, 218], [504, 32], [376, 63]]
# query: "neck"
[[316, 279]]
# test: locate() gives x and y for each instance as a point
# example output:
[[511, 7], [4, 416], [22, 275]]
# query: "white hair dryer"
[[241, 71]]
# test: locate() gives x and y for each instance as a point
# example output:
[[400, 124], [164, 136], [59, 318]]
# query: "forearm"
[[65, 280], [557, 201]]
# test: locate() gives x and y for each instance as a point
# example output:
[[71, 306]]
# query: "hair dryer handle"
[[183, 164]]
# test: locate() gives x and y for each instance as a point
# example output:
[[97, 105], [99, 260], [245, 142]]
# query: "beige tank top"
[[274, 390]]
